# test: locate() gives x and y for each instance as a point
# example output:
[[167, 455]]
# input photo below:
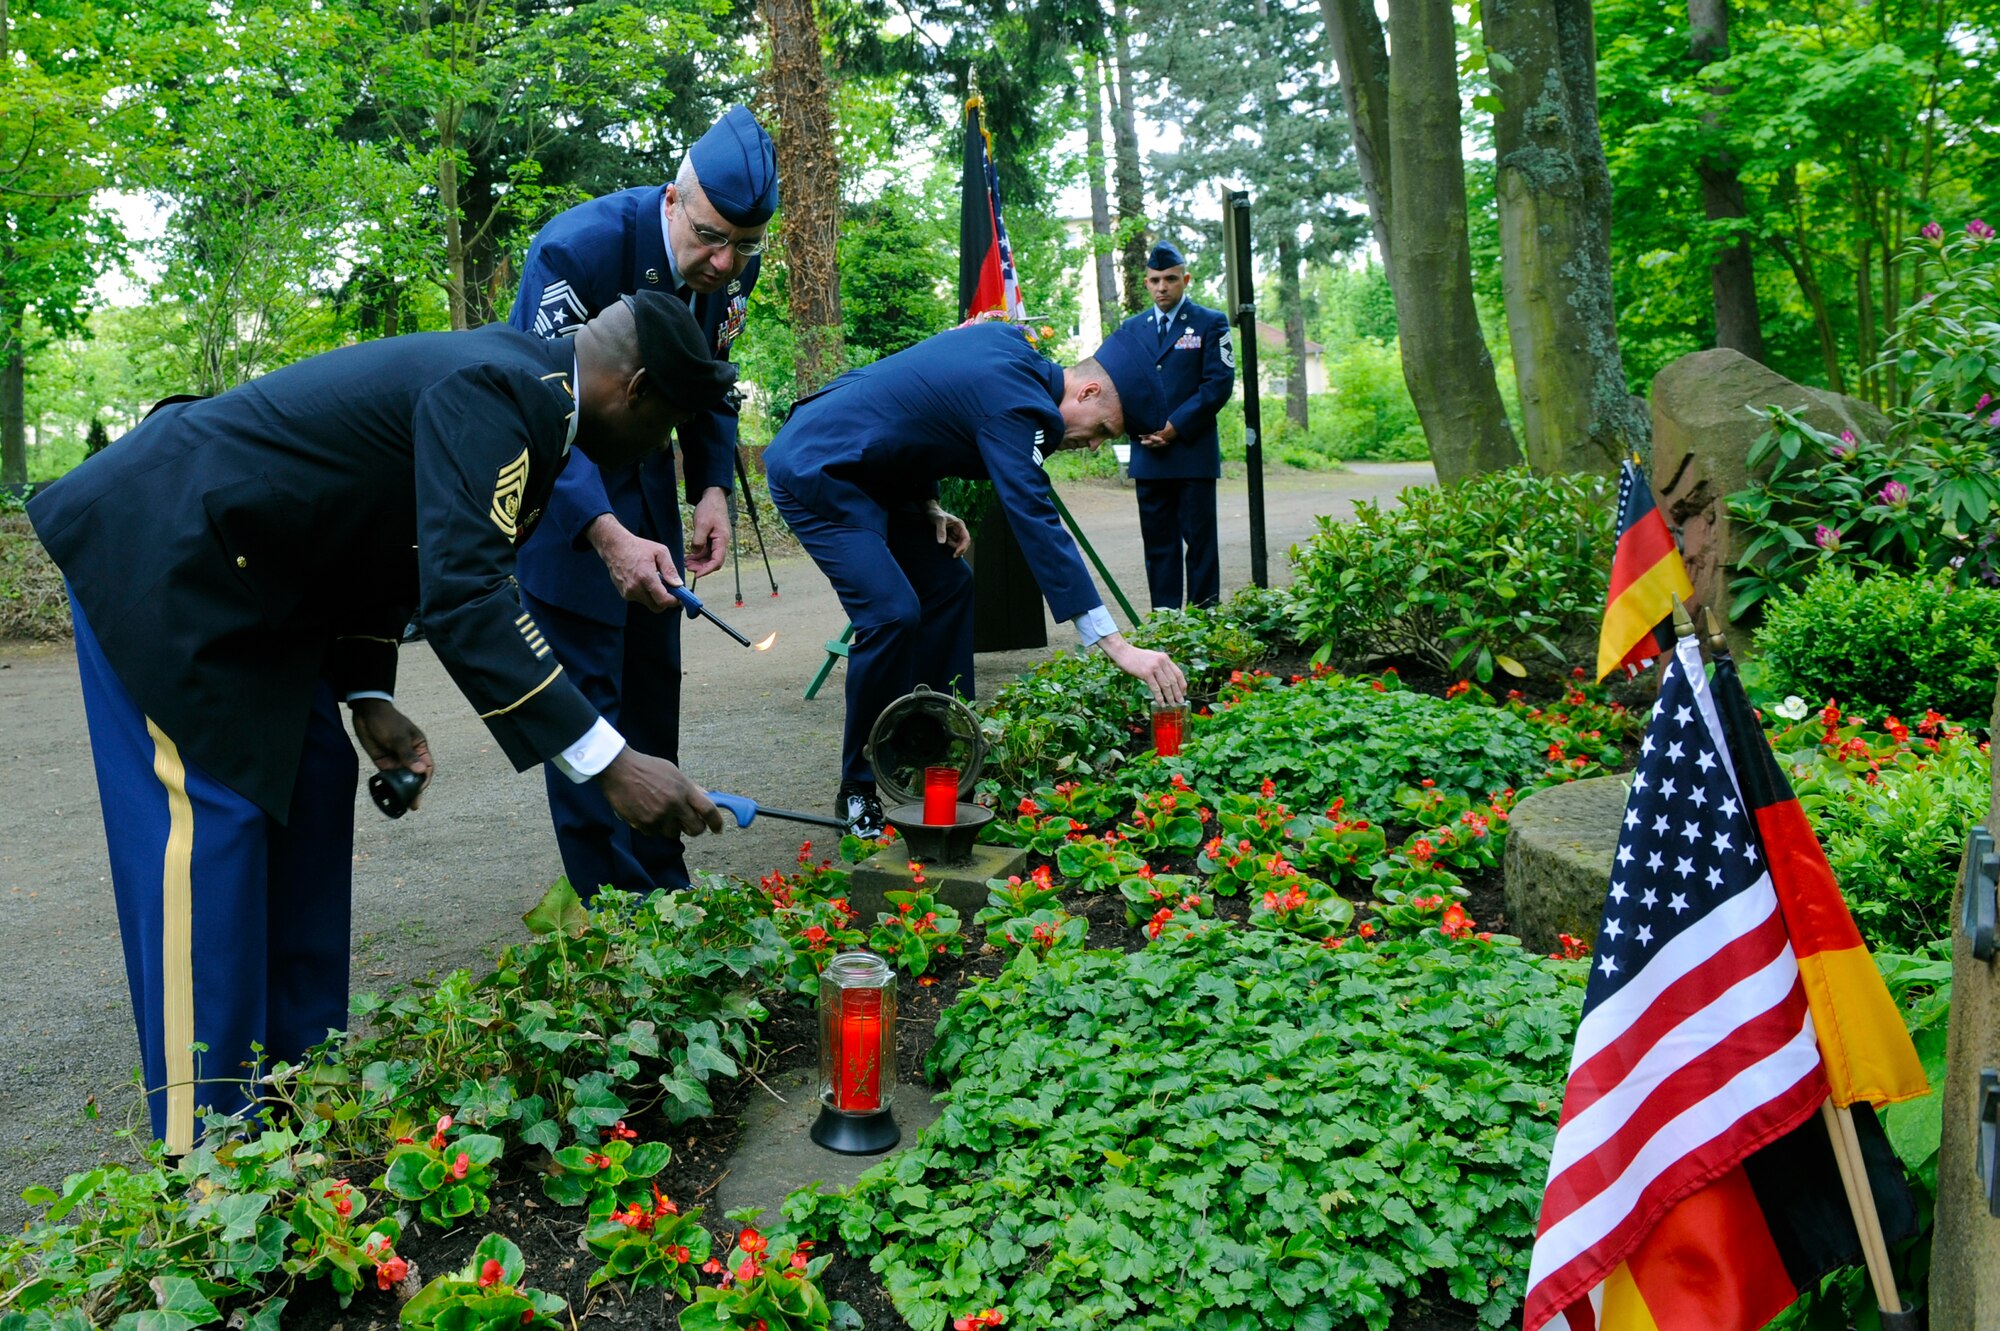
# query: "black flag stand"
[[750, 502], [1243, 312]]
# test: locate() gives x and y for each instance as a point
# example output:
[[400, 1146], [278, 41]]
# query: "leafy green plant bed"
[[1246, 1048], [1231, 1128]]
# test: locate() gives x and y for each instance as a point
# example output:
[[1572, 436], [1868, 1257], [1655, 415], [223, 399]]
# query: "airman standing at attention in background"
[[1174, 468]]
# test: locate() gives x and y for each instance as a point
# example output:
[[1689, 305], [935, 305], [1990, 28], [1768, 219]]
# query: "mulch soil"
[[550, 1236]]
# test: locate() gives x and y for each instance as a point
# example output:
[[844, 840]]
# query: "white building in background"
[[1271, 342]]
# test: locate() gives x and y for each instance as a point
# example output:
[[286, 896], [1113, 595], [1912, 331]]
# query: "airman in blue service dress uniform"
[[1174, 468], [854, 472], [240, 564], [699, 239]]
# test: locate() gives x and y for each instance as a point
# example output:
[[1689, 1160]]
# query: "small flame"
[[764, 644]]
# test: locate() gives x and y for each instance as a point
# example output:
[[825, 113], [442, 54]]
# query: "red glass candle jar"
[[857, 1055], [1169, 722], [940, 796]]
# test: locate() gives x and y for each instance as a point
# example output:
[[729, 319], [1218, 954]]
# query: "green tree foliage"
[[1216, 72], [56, 115], [890, 295], [255, 180], [1851, 125], [512, 109]]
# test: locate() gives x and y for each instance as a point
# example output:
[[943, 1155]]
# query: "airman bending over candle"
[[855, 472]]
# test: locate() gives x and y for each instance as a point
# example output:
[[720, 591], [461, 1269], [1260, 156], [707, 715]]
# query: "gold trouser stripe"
[[502, 711], [176, 943]]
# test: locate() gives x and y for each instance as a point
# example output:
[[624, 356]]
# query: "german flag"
[[986, 280], [1646, 575], [1862, 1040], [1739, 1252]]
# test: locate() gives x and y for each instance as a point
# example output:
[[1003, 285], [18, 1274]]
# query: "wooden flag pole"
[[1861, 1199]]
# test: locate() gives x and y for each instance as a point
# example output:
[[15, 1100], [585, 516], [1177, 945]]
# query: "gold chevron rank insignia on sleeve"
[[509, 487]]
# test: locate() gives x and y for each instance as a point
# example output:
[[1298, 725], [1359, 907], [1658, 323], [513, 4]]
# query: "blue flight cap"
[[1133, 367], [738, 168], [1164, 256]]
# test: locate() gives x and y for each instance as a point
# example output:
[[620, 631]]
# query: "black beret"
[[1133, 367], [1164, 255], [674, 351]]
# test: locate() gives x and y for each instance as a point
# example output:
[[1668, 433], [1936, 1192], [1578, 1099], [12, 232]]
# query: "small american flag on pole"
[[1696, 1045]]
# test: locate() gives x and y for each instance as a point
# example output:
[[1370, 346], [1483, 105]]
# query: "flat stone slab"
[[775, 1156], [960, 886], [1558, 866]]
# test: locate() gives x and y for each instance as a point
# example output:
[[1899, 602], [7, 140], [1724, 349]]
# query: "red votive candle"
[[940, 796], [1168, 721], [857, 1058]]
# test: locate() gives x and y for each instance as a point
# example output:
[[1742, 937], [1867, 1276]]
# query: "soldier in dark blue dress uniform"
[[1174, 468], [698, 239], [239, 565], [854, 472]]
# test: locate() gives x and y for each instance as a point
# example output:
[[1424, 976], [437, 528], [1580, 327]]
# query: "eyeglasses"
[[711, 239]]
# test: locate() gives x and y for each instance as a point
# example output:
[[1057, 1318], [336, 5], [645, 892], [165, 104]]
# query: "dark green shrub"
[[1466, 579], [1892, 642]]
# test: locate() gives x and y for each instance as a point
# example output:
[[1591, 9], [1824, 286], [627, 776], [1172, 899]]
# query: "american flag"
[[1696, 1045], [1009, 279]]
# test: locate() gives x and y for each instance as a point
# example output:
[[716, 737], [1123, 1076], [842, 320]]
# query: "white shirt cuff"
[[591, 754], [1093, 624], [368, 693]]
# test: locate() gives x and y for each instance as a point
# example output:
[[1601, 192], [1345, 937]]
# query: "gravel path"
[[445, 887]]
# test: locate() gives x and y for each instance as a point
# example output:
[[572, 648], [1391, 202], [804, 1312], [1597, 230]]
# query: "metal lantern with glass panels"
[[857, 1055]]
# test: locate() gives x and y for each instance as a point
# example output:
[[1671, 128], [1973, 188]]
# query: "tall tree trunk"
[[1445, 361], [454, 220], [1355, 33], [1809, 287], [13, 349], [1555, 238], [485, 263], [13, 401], [1864, 318], [1892, 309], [1732, 277], [811, 172], [1100, 204], [1293, 311], [1131, 185]]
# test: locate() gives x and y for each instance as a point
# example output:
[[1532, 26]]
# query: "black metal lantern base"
[[855, 1134]]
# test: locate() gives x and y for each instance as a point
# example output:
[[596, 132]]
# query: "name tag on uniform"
[[1190, 341]]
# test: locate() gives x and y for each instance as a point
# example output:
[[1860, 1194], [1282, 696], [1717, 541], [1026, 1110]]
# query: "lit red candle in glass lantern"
[[857, 1057], [940, 796], [857, 1053]]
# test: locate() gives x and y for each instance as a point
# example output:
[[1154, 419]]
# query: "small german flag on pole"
[[1646, 575]]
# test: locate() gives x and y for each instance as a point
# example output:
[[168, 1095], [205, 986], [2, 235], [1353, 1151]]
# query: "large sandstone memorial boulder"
[[1703, 427], [1558, 867]]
